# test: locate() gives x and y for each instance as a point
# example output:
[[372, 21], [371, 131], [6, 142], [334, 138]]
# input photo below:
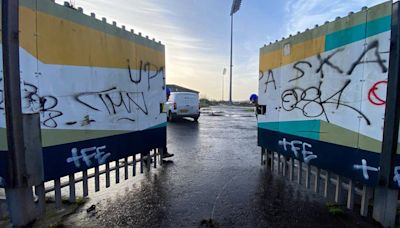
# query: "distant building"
[[176, 88]]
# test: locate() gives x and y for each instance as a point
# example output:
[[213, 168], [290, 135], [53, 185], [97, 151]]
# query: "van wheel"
[[169, 118]]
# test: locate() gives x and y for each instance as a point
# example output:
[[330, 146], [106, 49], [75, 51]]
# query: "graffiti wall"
[[325, 90], [97, 87]]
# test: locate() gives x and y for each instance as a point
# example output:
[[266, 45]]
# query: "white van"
[[183, 104]]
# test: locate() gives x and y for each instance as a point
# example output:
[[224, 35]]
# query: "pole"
[[12, 94], [230, 72], [223, 77], [385, 198], [21, 176]]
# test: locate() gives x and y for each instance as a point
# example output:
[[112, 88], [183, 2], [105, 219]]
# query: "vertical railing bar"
[[107, 175], [338, 189], [134, 165], [350, 195], [72, 195], [291, 174], [284, 167], [57, 193], [262, 155], [364, 201], [126, 168], [327, 182], [279, 164], [85, 183], [117, 171], [299, 171], [317, 180], [148, 159], [161, 152], [96, 179], [268, 159], [155, 158], [141, 162], [41, 193], [308, 175], [272, 161]]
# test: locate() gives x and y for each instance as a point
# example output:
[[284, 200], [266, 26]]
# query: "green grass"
[[334, 209], [249, 110]]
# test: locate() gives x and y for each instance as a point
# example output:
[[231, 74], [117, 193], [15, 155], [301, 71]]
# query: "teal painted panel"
[[306, 128], [357, 33], [273, 126], [379, 25]]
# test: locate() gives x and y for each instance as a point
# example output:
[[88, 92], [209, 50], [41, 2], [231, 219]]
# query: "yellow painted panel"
[[27, 38], [64, 42], [298, 52], [270, 60]]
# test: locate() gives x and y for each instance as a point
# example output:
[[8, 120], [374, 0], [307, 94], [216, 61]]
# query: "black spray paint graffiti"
[[32, 101], [296, 66], [328, 62], [113, 99], [381, 62], [311, 100], [145, 69], [270, 79], [44, 104]]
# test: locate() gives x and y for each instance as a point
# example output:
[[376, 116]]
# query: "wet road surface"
[[214, 180]]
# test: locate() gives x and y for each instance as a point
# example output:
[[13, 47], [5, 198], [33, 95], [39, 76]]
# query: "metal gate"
[[91, 98], [329, 100]]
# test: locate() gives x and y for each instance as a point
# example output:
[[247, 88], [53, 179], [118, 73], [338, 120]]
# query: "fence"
[[318, 180], [128, 165], [91, 93], [324, 99]]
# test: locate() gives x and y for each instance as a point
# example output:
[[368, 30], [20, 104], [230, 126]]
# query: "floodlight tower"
[[235, 7]]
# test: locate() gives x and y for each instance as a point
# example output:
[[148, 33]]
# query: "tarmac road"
[[214, 180]]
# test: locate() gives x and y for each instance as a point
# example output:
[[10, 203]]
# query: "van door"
[[187, 104]]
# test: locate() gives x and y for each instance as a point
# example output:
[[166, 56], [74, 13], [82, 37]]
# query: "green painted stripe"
[[159, 125], [357, 33], [51, 137], [3, 139], [307, 128]]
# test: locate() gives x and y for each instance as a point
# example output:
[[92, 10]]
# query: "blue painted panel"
[[342, 160], [59, 160]]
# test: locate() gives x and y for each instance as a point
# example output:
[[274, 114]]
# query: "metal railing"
[[318, 180]]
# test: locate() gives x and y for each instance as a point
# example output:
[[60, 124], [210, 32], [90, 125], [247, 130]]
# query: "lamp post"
[[235, 7], [223, 78]]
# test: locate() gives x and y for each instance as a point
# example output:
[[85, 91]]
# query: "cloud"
[[191, 60], [196, 34], [302, 14]]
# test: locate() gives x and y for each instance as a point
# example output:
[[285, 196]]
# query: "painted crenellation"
[[114, 23], [364, 8]]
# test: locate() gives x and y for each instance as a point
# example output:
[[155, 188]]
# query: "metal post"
[[230, 72], [25, 163], [12, 93], [223, 77], [385, 199]]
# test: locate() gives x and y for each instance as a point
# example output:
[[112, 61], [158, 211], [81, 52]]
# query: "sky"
[[196, 34]]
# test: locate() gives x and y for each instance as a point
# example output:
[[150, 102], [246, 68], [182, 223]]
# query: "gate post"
[[385, 199], [25, 168]]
